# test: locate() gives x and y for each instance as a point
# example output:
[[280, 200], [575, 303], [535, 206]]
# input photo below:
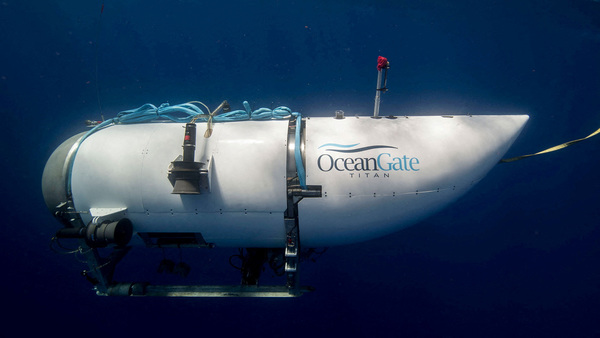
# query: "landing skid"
[[142, 289], [101, 271]]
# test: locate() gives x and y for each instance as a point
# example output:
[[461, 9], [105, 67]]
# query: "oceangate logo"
[[386, 161]]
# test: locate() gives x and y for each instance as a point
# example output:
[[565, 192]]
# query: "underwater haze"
[[517, 256]]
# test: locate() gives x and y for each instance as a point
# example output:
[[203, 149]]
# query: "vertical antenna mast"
[[382, 64]]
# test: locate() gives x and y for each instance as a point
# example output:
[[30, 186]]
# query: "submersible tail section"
[[121, 176]]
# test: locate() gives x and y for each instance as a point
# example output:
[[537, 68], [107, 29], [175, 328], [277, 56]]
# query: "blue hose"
[[186, 112]]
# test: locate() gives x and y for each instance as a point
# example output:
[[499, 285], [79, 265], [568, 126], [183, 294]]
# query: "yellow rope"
[[560, 146]]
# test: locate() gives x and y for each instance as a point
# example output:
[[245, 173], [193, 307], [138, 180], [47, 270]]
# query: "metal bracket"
[[102, 214]]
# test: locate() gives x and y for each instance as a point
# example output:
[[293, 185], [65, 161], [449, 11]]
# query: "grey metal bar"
[[377, 95]]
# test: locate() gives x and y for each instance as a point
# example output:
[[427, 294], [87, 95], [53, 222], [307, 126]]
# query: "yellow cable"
[[560, 146]]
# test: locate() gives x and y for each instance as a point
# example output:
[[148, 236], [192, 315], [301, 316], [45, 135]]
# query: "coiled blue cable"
[[186, 112]]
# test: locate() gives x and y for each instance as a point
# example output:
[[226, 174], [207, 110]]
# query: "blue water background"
[[517, 256]]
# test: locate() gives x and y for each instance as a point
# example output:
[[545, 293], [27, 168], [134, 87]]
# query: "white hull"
[[408, 169]]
